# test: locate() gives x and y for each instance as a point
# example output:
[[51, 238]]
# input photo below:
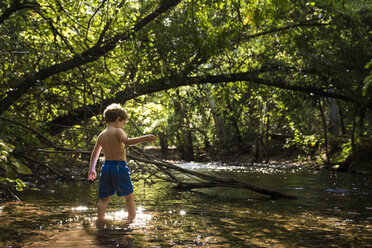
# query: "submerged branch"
[[162, 169], [213, 181]]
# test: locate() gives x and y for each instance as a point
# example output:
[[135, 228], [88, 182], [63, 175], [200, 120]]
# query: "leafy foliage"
[[266, 64], [12, 166]]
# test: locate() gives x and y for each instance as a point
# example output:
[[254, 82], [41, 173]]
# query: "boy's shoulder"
[[109, 132]]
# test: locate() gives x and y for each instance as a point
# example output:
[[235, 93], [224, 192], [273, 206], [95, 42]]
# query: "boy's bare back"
[[112, 140]]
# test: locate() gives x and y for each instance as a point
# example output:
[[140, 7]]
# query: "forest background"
[[225, 80]]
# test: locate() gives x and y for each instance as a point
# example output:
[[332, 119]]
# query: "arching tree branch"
[[90, 55], [74, 116], [16, 6]]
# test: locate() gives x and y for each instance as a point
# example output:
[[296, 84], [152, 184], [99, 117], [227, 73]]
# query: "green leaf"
[[20, 182], [5, 153], [368, 80], [6, 147], [9, 171], [19, 188], [20, 168], [367, 84]]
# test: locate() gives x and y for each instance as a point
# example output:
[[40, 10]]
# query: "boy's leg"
[[102, 205], [129, 204]]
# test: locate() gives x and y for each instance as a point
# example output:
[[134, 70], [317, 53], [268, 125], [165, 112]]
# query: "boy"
[[114, 172]]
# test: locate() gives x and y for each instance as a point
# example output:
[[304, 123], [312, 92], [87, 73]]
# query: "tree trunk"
[[325, 130], [342, 124], [221, 134], [333, 116], [266, 132], [188, 144], [163, 144], [184, 134]]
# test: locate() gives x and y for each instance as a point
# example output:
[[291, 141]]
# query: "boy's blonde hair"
[[113, 111]]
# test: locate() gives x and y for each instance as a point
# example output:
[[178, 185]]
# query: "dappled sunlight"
[[79, 208], [140, 221]]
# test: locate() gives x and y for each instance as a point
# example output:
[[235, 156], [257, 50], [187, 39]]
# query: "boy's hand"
[[92, 175], [150, 137]]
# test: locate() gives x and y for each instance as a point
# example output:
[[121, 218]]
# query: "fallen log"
[[235, 184], [211, 181]]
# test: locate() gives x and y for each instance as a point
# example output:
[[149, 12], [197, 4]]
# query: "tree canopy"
[[228, 76]]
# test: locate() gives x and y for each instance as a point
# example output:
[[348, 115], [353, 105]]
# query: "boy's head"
[[115, 111]]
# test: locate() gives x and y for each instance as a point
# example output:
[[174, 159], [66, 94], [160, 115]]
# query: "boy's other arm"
[[93, 161]]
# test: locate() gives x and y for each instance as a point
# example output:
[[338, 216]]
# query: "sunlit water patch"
[[240, 168], [80, 208], [141, 220]]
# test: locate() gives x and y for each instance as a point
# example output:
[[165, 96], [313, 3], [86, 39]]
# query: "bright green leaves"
[[5, 150], [20, 184], [12, 166], [248, 18], [264, 12], [10, 163], [368, 80]]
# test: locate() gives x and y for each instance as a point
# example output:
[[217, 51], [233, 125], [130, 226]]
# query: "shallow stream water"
[[333, 210]]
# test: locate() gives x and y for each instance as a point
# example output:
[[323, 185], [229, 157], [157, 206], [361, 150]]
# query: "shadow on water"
[[334, 210]]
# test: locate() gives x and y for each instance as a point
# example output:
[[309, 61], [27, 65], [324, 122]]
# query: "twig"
[[9, 191]]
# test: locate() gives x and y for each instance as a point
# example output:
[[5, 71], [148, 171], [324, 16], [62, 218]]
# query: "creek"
[[333, 210]]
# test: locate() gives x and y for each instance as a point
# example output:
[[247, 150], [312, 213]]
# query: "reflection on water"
[[79, 208], [334, 210], [141, 220]]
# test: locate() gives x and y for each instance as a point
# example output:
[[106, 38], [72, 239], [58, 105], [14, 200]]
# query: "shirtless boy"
[[115, 175]]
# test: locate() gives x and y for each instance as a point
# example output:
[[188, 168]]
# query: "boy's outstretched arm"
[[141, 139], [137, 140], [93, 161]]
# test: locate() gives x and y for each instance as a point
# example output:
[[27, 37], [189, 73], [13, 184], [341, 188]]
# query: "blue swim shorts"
[[115, 177]]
